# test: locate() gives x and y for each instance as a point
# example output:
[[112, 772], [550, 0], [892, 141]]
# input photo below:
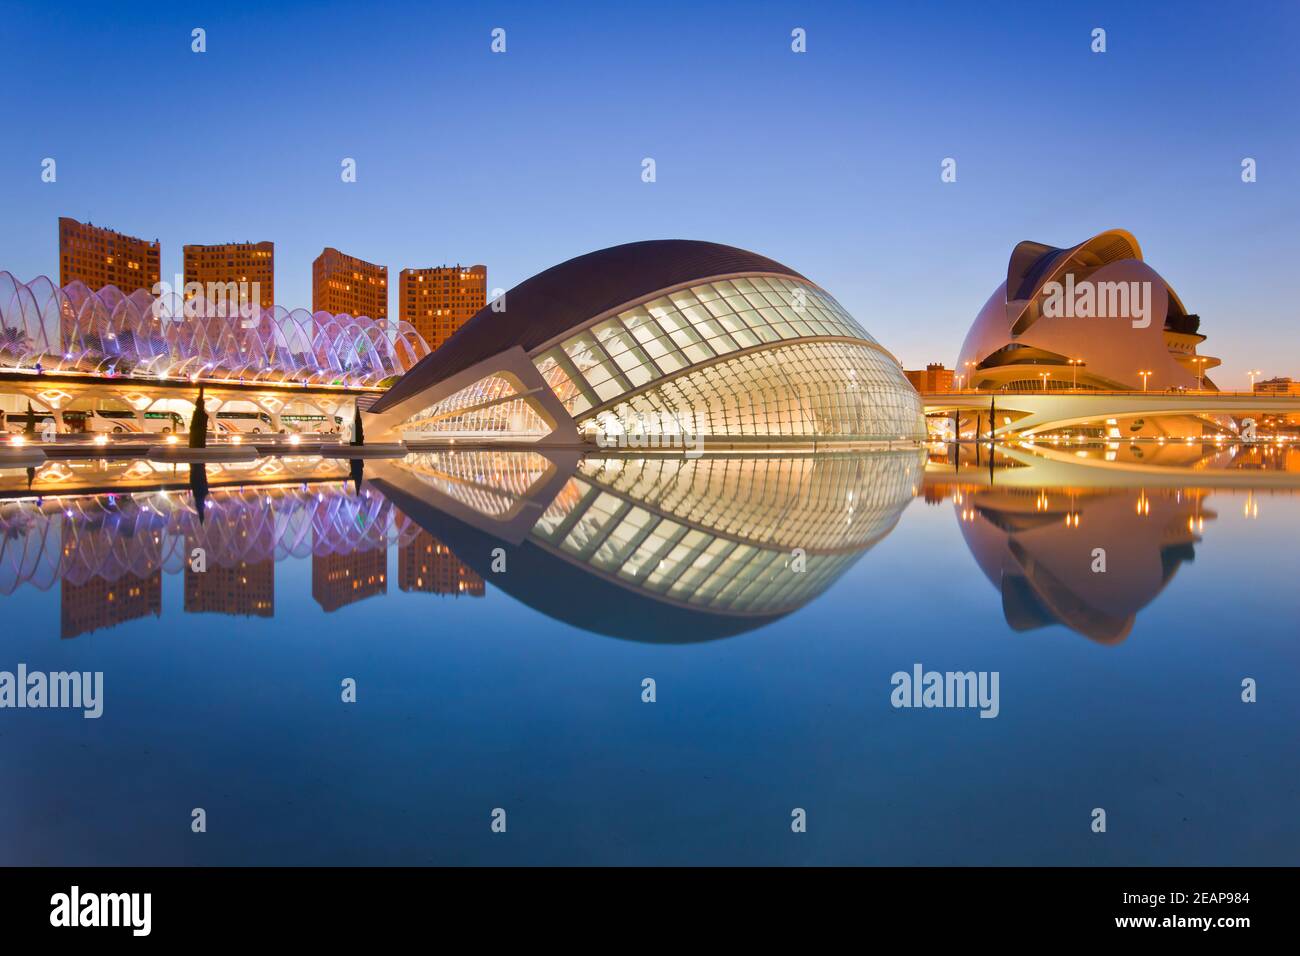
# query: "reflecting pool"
[[656, 659]]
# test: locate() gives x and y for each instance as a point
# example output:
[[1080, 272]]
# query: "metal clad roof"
[[552, 302]]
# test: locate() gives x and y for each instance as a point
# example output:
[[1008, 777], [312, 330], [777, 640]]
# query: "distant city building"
[[345, 285], [100, 257], [341, 579], [1277, 386], [438, 301], [246, 589], [244, 263], [933, 378], [428, 565], [99, 603]]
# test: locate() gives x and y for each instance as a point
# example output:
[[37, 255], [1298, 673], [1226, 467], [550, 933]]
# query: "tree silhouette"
[[199, 424], [358, 435], [199, 487]]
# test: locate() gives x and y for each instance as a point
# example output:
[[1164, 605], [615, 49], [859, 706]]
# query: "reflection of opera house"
[[660, 337], [1091, 316], [1032, 545]]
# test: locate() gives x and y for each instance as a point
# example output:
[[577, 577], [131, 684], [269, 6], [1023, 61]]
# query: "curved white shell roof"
[[139, 336]]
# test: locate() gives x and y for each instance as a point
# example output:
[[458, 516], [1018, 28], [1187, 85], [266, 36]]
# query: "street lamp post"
[[1145, 375], [1254, 373], [1200, 373], [1044, 376], [1075, 363]]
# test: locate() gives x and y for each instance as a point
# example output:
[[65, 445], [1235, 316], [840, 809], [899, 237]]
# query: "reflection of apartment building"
[[345, 285], [933, 378], [100, 604], [439, 301], [239, 262], [428, 565], [246, 588], [100, 257], [341, 579]]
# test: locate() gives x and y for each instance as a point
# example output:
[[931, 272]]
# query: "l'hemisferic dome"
[[656, 337]]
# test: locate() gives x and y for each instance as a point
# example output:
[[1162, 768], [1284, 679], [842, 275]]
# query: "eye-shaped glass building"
[[655, 338]]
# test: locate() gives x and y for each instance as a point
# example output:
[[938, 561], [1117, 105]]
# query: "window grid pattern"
[[484, 409], [690, 565], [816, 503], [608, 517], [836, 390], [490, 482], [490, 389], [684, 328]]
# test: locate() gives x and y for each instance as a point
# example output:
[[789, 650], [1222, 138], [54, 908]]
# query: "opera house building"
[[656, 340], [1091, 316]]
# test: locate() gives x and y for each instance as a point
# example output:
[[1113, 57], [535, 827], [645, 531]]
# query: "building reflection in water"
[[247, 589], [97, 603], [429, 566], [1037, 546], [665, 549], [108, 553]]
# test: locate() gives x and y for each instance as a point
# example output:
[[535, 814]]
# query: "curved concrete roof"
[[1034, 264], [552, 302]]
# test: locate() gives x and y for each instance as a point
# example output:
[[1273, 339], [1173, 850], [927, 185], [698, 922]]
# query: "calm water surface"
[[770, 598]]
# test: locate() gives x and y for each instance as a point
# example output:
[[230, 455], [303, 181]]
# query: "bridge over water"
[[1030, 413]]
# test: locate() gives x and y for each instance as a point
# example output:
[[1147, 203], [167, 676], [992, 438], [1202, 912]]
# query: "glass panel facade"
[[831, 390], [689, 327], [716, 533], [486, 409]]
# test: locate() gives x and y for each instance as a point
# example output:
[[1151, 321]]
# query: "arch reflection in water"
[[656, 549], [1036, 546], [109, 552]]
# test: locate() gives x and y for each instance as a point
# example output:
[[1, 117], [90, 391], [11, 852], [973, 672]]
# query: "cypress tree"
[[199, 424], [358, 435]]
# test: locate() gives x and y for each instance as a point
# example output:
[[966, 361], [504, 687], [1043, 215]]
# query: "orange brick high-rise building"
[[438, 301], [100, 257], [239, 262], [345, 285]]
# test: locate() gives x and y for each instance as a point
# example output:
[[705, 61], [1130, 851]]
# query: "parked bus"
[[312, 424], [251, 423], [15, 423], [120, 421]]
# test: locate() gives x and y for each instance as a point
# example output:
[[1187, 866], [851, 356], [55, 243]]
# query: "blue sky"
[[828, 161]]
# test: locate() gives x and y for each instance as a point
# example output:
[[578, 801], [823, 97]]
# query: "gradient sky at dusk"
[[827, 161]]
